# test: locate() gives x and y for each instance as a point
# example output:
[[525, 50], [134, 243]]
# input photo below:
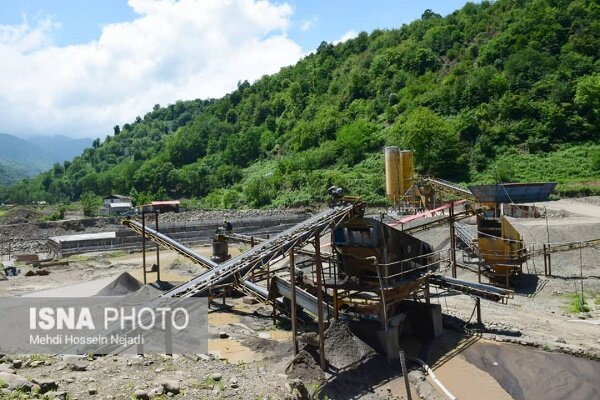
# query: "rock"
[[223, 335], [141, 394], [46, 385], [216, 376], [171, 386], [560, 340], [17, 364], [92, 391], [156, 392], [203, 357], [234, 382], [35, 364], [249, 300], [78, 367], [15, 382], [297, 388], [60, 396], [310, 338]]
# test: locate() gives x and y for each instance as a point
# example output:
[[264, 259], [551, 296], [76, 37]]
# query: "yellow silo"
[[392, 173], [407, 170]]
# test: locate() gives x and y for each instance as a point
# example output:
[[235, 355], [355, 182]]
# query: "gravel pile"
[[219, 215]]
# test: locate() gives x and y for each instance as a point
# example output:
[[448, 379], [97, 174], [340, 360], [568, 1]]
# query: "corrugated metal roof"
[[119, 205], [84, 236], [117, 196], [166, 203], [513, 192]]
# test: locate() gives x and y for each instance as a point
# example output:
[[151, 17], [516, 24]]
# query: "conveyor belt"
[[304, 299], [267, 251], [450, 188], [481, 290], [254, 239], [468, 212], [169, 243], [560, 247]]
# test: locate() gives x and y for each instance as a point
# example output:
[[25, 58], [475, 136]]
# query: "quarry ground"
[[250, 363]]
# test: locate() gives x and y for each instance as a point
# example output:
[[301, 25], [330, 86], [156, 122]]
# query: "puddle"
[[528, 373], [232, 351], [276, 335], [457, 371]]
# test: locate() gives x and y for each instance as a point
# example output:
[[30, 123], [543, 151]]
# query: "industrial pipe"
[[435, 379]]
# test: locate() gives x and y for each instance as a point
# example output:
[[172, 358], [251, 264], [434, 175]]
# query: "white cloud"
[[308, 24], [346, 36], [173, 50]]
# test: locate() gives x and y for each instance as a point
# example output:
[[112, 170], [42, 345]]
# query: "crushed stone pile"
[[305, 367], [123, 285], [147, 292], [355, 367], [343, 348]]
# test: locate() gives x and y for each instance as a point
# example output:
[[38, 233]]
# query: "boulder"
[[15, 382]]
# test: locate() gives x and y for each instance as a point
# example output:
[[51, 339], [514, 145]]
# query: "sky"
[[78, 68]]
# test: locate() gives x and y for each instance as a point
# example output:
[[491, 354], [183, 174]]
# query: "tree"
[[116, 130], [356, 139], [90, 203], [587, 96], [433, 140]]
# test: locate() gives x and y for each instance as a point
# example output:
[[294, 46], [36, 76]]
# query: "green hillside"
[[505, 90]]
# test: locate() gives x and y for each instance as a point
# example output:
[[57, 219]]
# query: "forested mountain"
[[26, 158], [505, 90]]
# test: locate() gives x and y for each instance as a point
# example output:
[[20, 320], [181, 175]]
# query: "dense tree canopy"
[[518, 77]]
